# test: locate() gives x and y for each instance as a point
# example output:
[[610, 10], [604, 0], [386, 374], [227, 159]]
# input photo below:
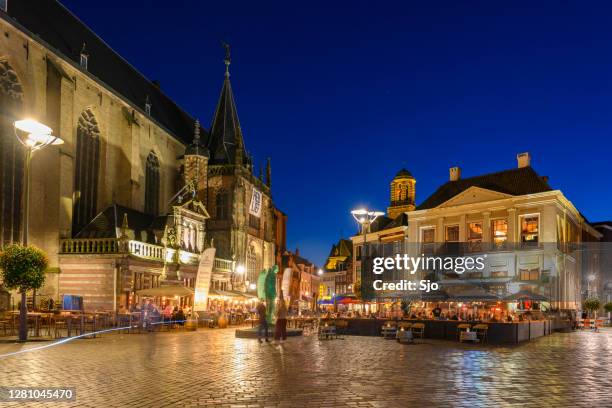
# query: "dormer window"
[[84, 58], [4, 5], [148, 106]]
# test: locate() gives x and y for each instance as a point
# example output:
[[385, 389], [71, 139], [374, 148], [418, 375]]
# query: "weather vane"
[[228, 56]]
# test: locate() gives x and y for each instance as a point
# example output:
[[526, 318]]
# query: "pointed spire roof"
[[197, 148], [225, 144]]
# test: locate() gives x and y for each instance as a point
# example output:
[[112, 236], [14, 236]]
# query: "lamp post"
[[365, 218], [238, 271], [590, 279], [33, 136]]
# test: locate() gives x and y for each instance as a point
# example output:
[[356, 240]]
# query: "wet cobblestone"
[[213, 368]]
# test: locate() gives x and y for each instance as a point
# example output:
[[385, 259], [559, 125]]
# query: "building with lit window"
[[529, 232]]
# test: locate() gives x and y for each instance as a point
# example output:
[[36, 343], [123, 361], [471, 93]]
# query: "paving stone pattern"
[[213, 368]]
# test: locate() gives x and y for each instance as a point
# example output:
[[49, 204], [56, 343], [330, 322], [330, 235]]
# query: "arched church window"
[[11, 155], [152, 182], [87, 164], [221, 205]]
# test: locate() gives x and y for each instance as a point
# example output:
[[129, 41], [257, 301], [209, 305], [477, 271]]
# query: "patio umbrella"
[[526, 295], [348, 301], [167, 291], [474, 294]]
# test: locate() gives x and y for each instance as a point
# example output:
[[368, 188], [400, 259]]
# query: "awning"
[[166, 291], [475, 294], [234, 294], [526, 295]]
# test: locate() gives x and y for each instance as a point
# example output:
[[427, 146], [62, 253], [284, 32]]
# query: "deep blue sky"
[[342, 95]]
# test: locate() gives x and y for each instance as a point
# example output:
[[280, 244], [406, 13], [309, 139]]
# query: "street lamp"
[[33, 136], [590, 279], [365, 218], [320, 272]]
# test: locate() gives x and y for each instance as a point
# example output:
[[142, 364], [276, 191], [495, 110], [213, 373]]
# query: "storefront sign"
[[202, 284]]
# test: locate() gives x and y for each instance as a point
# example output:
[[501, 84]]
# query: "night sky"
[[341, 95]]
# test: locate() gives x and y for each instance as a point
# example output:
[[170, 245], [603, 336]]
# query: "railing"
[[148, 251], [223, 265], [90, 246]]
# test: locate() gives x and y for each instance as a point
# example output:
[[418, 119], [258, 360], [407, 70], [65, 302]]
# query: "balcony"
[[143, 250]]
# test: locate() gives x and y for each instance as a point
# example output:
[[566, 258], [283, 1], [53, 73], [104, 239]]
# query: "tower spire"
[[269, 173], [196, 132], [225, 141]]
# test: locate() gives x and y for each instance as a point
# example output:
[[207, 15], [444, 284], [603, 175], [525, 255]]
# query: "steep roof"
[[225, 133], [107, 223], [55, 25], [519, 181]]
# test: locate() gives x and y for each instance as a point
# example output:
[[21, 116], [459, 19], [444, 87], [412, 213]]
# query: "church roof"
[[55, 25], [225, 133], [108, 223], [403, 173], [519, 181]]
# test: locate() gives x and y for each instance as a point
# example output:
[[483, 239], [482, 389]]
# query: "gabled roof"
[[344, 247], [63, 31], [225, 133], [107, 224], [519, 181]]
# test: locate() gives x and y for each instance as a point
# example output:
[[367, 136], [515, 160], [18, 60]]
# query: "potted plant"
[[23, 268], [591, 305]]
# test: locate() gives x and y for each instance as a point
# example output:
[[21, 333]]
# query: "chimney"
[[454, 173], [523, 159]]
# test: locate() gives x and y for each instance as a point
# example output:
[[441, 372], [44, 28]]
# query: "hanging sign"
[[256, 203]]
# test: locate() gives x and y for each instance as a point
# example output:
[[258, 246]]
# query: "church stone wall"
[[56, 92]]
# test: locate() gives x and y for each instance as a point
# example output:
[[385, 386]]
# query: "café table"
[[327, 331], [468, 336]]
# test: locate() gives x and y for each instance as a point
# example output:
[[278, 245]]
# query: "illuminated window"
[[530, 228], [452, 233], [499, 274], [474, 231], [428, 235], [529, 274], [499, 231]]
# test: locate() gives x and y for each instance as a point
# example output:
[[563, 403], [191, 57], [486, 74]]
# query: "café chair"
[[341, 328], [481, 332], [418, 330], [389, 329], [461, 328]]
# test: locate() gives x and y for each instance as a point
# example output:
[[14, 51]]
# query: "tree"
[[591, 304], [23, 268], [608, 307]]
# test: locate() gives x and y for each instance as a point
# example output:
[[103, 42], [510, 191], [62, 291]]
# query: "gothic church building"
[[137, 184]]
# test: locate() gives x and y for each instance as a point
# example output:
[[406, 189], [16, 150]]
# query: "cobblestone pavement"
[[213, 368]]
